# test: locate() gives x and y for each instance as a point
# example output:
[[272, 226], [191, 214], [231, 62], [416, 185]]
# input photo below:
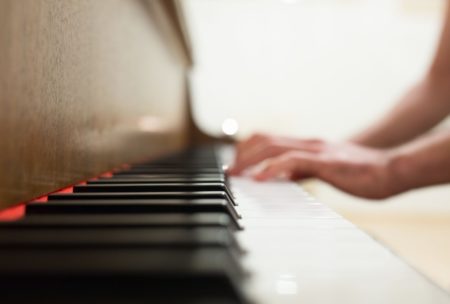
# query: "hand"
[[260, 147], [352, 168]]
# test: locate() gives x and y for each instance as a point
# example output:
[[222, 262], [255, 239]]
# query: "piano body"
[[109, 194]]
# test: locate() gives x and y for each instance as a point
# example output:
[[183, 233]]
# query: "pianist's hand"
[[355, 169]]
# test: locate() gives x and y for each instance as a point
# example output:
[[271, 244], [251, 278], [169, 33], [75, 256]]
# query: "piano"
[[110, 193]]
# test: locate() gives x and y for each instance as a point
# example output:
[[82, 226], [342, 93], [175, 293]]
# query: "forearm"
[[423, 162], [421, 108]]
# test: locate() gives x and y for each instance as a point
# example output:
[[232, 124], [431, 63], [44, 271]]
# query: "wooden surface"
[[422, 241], [415, 225], [85, 85]]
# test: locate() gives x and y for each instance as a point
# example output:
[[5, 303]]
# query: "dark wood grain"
[[85, 85]]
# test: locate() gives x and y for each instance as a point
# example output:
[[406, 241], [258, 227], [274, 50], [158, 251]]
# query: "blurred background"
[[324, 68]]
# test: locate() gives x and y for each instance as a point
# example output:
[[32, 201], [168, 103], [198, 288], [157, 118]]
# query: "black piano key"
[[174, 238], [219, 176], [180, 174], [177, 165], [152, 187], [117, 206], [192, 156], [161, 178], [121, 221], [82, 248], [154, 180], [183, 161], [192, 195], [170, 171], [120, 275]]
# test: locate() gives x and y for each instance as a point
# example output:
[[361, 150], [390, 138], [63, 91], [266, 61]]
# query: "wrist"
[[400, 171]]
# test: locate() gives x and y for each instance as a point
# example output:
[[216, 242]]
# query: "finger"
[[240, 148], [298, 163], [297, 176], [254, 156], [283, 143], [260, 152], [252, 141], [311, 145], [260, 147], [250, 153]]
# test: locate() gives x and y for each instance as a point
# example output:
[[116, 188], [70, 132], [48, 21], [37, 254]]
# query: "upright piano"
[[110, 193]]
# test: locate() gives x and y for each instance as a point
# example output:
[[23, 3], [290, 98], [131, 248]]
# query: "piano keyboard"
[[157, 232], [172, 231]]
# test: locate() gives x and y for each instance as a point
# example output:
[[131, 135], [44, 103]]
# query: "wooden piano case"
[[88, 85]]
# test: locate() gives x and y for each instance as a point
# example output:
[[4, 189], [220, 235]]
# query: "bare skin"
[[392, 156]]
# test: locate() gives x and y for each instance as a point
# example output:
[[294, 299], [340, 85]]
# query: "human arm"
[[422, 107], [368, 172], [371, 165]]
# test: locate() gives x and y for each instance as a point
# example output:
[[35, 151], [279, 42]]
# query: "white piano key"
[[301, 251]]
